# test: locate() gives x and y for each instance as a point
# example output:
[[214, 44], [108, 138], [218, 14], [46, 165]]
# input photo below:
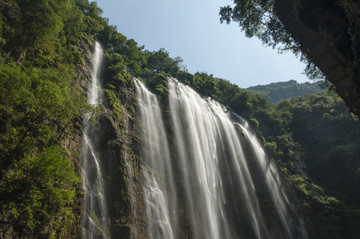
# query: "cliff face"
[[72, 141], [117, 135], [329, 34], [114, 140]]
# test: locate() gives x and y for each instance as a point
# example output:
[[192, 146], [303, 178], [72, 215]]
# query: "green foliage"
[[38, 183], [40, 52], [313, 193], [93, 22], [38, 102], [333, 219], [276, 92], [271, 147], [45, 32], [258, 18], [327, 133], [254, 123], [206, 85], [159, 85], [160, 61], [115, 103], [40, 23], [124, 56], [36, 193], [117, 68]]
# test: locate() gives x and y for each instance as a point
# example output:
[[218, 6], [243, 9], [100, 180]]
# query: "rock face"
[[328, 32], [122, 180], [71, 140], [117, 142], [114, 141]]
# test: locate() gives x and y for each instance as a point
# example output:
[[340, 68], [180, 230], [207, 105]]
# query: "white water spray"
[[216, 175], [157, 156], [94, 218]]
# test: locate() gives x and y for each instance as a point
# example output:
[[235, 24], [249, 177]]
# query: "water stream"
[[94, 213], [157, 158]]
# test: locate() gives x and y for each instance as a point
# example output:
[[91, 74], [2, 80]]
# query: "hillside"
[[276, 92]]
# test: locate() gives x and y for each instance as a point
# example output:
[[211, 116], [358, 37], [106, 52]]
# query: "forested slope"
[[276, 92], [44, 62]]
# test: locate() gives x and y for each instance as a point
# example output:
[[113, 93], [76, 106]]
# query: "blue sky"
[[191, 29]]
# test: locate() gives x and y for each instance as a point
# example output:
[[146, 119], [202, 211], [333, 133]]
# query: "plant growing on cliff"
[[36, 193], [41, 52]]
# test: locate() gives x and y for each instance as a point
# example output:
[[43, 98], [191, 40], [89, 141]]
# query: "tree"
[[258, 18], [160, 61]]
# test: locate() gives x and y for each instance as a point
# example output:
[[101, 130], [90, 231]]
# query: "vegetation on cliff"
[[41, 52]]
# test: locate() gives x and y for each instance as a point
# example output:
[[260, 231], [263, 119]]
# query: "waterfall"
[[157, 155], [272, 179], [94, 213], [216, 181]]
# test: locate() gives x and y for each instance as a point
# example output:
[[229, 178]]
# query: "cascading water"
[[204, 135], [216, 181], [94, 213], [157, 155], [272, 179]]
